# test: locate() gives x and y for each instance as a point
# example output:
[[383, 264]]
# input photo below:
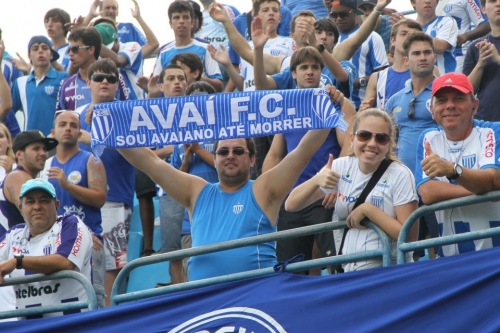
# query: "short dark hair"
[[171, 66], [179, 7], [89, 37], [257, 3], [327, 25], [407, 22], [416, 37], [249, 142], [483, 3], [190, 59], [200, 86], [104, 66], [304, 13], [304, 53], [62, 15]]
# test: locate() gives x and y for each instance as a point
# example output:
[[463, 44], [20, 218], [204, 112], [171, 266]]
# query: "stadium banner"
[[174, 120], [452, 294]]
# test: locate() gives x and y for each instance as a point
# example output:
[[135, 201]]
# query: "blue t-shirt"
[[37, 101], [120, 173], [316, 6], [218, 217], [410, 129], [127, 32], [75, 170]]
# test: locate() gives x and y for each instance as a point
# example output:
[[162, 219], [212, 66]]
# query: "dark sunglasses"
[[238, 151], [343, 15], [100, 77], [411, 109], [77, 48], [380, 138]]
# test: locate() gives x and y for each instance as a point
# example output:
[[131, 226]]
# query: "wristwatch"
[[362, 82], [19, 260], [321, 47], [458, 172]]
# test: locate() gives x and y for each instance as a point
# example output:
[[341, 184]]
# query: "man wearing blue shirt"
[[36, 94]]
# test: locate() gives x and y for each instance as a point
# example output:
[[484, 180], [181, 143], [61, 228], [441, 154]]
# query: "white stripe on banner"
[[175, 120]]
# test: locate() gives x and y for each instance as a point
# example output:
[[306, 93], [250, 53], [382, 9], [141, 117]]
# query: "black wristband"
[[19, 261]]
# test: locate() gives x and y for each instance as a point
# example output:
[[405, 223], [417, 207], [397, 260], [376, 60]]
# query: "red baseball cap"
[[456, 81]]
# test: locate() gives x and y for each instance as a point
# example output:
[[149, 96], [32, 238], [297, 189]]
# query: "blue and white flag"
[[175, 120]]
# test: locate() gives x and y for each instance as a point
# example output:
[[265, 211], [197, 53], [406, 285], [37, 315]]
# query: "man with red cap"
[[458, 159]]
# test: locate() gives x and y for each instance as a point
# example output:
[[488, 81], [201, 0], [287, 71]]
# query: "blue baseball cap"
[[45, 40], [37, 184]]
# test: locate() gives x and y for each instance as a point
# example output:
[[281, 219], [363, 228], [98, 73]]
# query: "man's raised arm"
[[346, 49], [182, 187], [272, 186]]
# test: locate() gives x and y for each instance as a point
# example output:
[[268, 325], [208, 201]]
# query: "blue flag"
[[175, 120]]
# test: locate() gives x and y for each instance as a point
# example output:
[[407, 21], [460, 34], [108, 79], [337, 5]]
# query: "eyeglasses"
[[411, 109], [343, 15], [77, 48], [238, 151], [100, 77], [380, 138]]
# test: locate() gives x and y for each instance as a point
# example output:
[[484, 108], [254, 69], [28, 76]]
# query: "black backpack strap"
[[249, 25], [368, 188]]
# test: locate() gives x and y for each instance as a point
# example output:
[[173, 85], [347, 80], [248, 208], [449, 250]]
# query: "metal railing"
[[403, 246], [118, 296], [90, 303]]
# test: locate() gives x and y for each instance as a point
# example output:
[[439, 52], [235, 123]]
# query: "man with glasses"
[[236, 207], [84, 49], [80, 183], [457, 159], [370, 57], [36, 93], [116, 212], [410, 108]]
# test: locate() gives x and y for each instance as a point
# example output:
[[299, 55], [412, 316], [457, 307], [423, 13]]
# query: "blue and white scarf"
[[174, 120]]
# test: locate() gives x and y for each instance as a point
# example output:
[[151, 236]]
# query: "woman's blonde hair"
[[373, 112], [9, 151]]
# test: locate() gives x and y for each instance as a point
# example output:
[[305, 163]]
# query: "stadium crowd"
[[418, 97]]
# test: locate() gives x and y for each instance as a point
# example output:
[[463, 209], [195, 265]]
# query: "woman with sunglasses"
[[388, 205]]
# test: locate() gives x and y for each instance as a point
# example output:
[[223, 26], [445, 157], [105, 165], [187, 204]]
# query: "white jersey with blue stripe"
[[468, 15], [64, 59], [214, 31], [444, 28], [134, 70], [367, 59], [389, 82], [210, 66], [479, 151]]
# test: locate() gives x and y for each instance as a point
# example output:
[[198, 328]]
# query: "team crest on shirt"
[[447, 8], [47, 249], [49, 90], [469, 161], [75, 177], [238, 208], [397, 109], [378, 200]]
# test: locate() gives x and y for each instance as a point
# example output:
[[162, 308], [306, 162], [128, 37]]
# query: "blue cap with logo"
[[44, 40], [37, 184]]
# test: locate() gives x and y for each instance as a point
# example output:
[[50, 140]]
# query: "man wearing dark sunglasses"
[[116, 212], [457, 159], [83, 50], [370, 57], [235, 207]]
